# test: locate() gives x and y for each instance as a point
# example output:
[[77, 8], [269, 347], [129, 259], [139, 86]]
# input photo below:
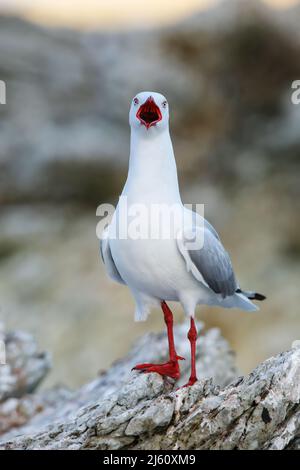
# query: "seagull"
[[190, 264]]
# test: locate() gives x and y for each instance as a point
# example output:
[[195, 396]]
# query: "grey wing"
[[210, 264], [108, 260]]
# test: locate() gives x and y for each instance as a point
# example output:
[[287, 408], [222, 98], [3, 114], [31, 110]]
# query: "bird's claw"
[[168, 369], [190, 383], [180, 358]]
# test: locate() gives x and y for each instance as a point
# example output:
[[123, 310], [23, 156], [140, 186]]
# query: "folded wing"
[[209, 262], [107, 258]]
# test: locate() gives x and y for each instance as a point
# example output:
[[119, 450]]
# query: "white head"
[[149, 113]]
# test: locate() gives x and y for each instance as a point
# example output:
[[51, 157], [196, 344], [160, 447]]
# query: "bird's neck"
[[152, 168]]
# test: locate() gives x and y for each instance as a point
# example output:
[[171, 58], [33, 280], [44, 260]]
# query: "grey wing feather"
[[108, 260], [213, 263]]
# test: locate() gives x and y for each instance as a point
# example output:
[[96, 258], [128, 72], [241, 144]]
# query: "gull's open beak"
[[149, 113]]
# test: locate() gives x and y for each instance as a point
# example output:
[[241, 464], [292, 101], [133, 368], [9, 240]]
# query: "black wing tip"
[[258, 296], [252, 295]]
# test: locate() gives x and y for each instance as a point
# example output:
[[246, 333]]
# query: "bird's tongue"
[[149, 113]]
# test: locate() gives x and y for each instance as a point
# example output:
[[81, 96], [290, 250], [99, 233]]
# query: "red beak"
[[149, 113]]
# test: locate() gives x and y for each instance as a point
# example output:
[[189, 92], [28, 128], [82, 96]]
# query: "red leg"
[[192, 336], [170, 368], [169, 322]]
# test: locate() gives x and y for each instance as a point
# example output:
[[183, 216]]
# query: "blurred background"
[[71, 69]]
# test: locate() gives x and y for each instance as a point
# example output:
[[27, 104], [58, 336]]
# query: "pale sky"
[[111, 13]]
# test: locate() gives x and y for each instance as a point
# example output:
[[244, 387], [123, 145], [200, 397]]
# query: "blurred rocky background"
[[64, 144]]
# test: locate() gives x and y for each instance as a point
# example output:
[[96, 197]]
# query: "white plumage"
[[157, 270]]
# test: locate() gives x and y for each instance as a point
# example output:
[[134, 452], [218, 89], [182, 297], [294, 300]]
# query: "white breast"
[[152, 266]]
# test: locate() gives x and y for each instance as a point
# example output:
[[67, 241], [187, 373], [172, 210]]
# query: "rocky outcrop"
[[128, 410], [22, 366]]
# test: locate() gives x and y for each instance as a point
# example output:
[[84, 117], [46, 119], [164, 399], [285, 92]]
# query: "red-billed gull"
[[159, 268]]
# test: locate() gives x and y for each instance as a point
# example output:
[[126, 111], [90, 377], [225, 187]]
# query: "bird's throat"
[[152, 166]]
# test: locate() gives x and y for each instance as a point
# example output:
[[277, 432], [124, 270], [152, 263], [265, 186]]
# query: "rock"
[[129, 410], [23, 367]]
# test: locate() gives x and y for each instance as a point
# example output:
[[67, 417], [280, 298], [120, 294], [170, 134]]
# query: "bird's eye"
[[164, 104], [135, 101]]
